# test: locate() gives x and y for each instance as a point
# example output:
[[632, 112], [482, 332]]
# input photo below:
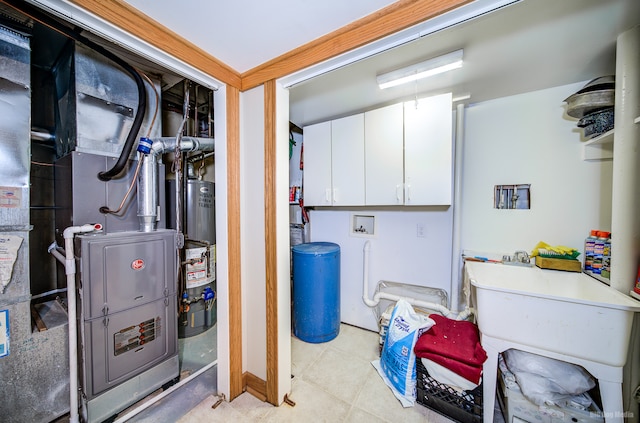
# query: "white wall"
[[222, 240], [254, 331], [524, 139], [397, 253], [282, 244]]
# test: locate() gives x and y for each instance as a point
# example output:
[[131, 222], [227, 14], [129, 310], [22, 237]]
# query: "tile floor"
[[332, 382]]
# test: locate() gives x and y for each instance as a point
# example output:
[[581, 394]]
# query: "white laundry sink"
[[567, 313]]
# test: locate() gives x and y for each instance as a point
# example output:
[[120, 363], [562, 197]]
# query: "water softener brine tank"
[[316, 291]]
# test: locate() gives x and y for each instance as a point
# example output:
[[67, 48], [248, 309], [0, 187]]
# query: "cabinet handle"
[[335, 195], [399, 193], [408, 193], [327, 196]]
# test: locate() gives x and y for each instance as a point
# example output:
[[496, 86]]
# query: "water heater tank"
[[198, 308]]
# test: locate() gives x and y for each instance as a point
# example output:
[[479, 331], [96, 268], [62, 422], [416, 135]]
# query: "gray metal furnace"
[[128, 317], [127, 279]]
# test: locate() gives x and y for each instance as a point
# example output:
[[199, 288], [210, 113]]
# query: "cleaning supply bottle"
[[589, 245], [598, 252], [606, 259]]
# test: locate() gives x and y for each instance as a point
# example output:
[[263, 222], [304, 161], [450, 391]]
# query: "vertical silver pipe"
[[457, 209], [148, 193], [210, 115], [148, 190], [196, 123], [625, 226]]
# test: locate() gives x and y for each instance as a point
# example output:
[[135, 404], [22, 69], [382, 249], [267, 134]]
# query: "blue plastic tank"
[[316, 291]]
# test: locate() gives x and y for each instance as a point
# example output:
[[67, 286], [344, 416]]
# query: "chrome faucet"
[[521, 257]]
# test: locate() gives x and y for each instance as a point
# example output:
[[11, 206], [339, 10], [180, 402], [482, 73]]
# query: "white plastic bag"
[[544, 380], [397, 365]]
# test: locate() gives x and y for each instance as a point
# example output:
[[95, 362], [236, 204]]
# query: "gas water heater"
[[198, 287]]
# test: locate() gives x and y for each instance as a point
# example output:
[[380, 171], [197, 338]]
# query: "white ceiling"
[[531, 45], [246, 33]]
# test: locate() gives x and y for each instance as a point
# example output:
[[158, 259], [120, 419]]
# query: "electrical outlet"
[[421, 232]]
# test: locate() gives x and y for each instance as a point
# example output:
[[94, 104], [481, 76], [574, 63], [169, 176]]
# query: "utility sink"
[[563, 315], [564, 312]]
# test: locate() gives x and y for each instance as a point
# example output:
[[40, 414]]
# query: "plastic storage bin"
[[316, 291], [464, 407]]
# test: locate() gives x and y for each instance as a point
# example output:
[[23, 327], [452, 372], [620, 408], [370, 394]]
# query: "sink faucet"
[[521, 257]]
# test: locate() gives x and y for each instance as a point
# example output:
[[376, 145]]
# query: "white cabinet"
[[428, 170], [384, 156], [334, 162], [316, 183], [396, 155]]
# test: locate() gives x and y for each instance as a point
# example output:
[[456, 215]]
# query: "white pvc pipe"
[[57, 252], [70, 270], [457, 210], [625, 192], [418, 303]]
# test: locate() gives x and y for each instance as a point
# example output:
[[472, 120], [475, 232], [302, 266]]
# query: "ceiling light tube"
[[421, 70]]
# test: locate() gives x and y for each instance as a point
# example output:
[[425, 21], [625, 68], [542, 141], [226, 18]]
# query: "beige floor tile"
[[338, 373], [204, 413], [251, 407], [357, 415], [376, 397], [313, 404], [358, 342], [304, 354]]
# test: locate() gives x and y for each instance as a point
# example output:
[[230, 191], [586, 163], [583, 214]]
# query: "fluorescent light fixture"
[[421, 70], [461, 97]]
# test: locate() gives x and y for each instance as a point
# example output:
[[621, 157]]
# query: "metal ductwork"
[[148, 187]]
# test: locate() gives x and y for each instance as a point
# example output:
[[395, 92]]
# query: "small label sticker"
[[10, 197], [4, 333], [137, 264]]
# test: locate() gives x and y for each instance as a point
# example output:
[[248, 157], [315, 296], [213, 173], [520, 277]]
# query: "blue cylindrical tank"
[[316, 291]]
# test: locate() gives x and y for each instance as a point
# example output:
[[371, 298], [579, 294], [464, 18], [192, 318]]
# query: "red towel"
[[455, 345]]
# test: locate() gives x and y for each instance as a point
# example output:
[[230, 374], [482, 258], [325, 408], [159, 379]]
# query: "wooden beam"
[[389, 20], [270, 205], [131, 20], [233, 218]]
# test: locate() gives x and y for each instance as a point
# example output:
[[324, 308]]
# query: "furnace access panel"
[[128, 305]]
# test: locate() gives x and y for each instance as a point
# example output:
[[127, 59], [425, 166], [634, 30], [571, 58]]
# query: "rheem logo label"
[[137, 264]]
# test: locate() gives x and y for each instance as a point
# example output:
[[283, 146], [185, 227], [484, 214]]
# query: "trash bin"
[[316, 291]]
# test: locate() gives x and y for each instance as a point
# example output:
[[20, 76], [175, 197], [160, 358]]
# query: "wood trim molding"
[[255, 386], [270, 202], [384, 22], [233, 216], [131, 20]]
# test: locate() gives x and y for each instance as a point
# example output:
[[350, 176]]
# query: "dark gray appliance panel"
[[131, 342], [124, 270]]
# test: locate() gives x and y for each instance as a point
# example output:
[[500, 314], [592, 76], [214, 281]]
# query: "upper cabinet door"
[[383, 147], [347, 157], [428, 151], [317, 165]]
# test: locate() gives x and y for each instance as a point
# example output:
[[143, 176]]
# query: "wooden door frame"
[[386, 21]]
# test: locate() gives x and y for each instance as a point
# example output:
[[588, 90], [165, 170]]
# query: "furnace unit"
[[127, 278]]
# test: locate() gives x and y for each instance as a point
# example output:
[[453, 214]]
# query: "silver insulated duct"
[[148, 187]]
